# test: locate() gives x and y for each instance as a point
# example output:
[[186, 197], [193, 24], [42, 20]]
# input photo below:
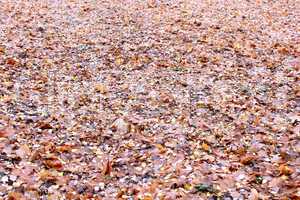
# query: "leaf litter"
[[149, 100]]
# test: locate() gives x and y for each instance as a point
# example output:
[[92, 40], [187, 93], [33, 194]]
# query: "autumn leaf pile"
[[149, 99]]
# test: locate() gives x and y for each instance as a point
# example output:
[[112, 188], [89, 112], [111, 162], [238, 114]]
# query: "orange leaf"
[[2, 49], [247, 159], [11, 61], [53, 163], [161, 148], [285, 170], [15, 196], [64, 148], [205, 147]]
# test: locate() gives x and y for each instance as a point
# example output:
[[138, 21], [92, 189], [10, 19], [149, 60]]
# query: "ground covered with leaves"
[[149, 100]]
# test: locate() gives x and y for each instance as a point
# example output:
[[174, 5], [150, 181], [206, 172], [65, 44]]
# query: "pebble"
[[12, 177], [4, 179]]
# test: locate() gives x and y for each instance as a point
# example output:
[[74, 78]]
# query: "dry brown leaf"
[[247, 159], [7, 132], [11, 61], [45, 125], [46, 175], [64, 148], [285, 170], [101, 88], [161, 148], [107, 168], [15, 196], [205, 147], [119, 61], [54, 163], [2, 49], [148, 197]]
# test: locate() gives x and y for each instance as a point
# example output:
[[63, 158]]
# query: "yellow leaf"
[[187, 186], [147, 197], [119, 61], [161, 148]]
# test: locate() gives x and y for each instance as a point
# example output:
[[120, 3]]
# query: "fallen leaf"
[[148, 197], [53, 162], [120, 125], [45, 125], [15, 196], [7, 132], [107, 169], [64, 148], [254, 194], [46, 175], [2, 49], [247, 159], [101, 88], [23, 151], [205, 147], [285, 170], [119, 61], [204, 188], [11, 61]]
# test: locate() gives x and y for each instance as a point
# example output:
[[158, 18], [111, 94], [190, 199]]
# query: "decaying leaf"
[[204, 188], [174, 93]]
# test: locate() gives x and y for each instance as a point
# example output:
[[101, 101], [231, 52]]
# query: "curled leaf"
[[107, 168], [53, 162]]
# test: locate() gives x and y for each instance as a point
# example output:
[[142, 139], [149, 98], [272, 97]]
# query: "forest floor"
[[149, 100]]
